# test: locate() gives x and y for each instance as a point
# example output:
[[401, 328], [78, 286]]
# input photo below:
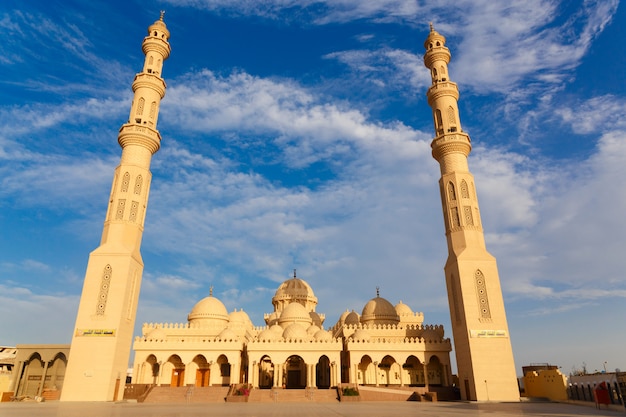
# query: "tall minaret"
[[108, 305], [486, 369]]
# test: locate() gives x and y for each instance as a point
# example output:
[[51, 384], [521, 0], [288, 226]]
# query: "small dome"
[[312, 329], [156, 334], [295, 332], [403, 309], [208, 310], [317, 320], [352, 318], [227, 334], [322, 335], [268, 334], [361, 335], [295, 313], [343, 316], [239, 317], [277, 329], [379, 311]]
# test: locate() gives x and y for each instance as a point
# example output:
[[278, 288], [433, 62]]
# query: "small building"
[[544, 381]]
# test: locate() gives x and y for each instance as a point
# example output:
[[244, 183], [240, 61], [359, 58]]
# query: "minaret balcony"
[[146, 136], [440, 89], [151, 81]]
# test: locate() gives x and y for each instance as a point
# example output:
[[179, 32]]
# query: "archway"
[[389, 371], [435, 371], [413, 372], [32, 376], [266, 373], [295, 370], [56, 373], [366, 371], [224, 367], [322, 373], [174, 369], [203, 372]]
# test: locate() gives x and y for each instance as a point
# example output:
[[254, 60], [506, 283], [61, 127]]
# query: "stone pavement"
[[357, 409]]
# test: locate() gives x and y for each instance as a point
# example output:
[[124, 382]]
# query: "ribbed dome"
[[227, 334], [295, 313], [277, 329], [322, 335], [317, 320], [295, 289], [208, 310], [268, 334], [379, 311], [343, 316], [239, 317], [352, 318], [403, 309], [313, 329], [295, 332], [156, 334], [361, 335]]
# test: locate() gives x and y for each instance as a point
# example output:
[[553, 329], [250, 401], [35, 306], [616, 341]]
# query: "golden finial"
[[377, 291], [161, 17], [294, 273], [211, 291], [432, 28]]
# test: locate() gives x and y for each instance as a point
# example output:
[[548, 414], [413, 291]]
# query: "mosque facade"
[[384, 345]]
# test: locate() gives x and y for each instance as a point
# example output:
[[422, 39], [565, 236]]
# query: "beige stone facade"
[[382, 346], [486, 369]]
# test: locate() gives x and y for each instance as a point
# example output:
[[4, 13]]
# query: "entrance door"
[[202, 377], [178, 378], [294, 379]]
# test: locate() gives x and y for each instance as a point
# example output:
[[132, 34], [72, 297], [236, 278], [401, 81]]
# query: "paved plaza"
[[359, 409]]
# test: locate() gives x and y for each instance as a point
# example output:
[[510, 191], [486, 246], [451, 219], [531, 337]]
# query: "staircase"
[[280, 395], [388, 394], [187, 395]]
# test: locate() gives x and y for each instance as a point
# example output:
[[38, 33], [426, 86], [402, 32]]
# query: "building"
[[382, 346], [482, 343]]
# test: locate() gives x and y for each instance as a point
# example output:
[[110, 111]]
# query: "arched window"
[[464, 189], [140, 106], [481, 292], [451, 192]]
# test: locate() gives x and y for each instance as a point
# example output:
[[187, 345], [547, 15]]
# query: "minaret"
[[486, 369], [105, 321]]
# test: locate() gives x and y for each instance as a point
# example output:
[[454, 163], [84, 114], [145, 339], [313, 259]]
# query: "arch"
[[464, 189], [148, 372], [173, 372], [225, 368], [140, 105], [389, 371], [266, 372], [32, 375], [413, 371], [322, 372], [435, 371], [452, 118], [138, 184], [451, 191], [481, 293], [438, 122], [125, 181], [366, 372], [153, 109], [202, 369], [296, 373]]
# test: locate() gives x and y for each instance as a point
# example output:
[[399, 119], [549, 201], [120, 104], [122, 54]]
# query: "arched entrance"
[[266, 373], [224, 366], [174, 369], [413, 372], [389, 371], [296, 372], [435, 371], [366, 371], [33, 376], [322, 373], [203, 373]]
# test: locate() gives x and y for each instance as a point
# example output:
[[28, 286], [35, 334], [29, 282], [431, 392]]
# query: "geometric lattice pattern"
[[481, 291], [103, 294]]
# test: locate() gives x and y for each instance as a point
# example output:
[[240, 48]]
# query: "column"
[[426, 377], [235, 377], [376, 372], [43, 378], [15, 383], [401, 376]]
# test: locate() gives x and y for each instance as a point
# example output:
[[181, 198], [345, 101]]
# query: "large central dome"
[[294, 290]]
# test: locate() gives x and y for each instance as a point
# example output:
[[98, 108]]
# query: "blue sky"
[[296, 134]]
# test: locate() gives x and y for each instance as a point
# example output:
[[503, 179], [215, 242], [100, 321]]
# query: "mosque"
[[384, 345]]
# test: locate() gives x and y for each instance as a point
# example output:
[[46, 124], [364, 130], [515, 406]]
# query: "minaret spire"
[[482, 345], [106, 314]]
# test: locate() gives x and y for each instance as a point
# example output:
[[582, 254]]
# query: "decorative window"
[[455, 299], [152, 109], [467, 214], [138, 183], [451, 192], [103, 294], [140, 106], [438, 121], [454, 217], [121, 205], [481, 291], [464, 189], [133, 211], [125, 182]]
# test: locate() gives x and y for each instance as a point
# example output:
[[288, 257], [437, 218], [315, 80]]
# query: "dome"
[[361, 335], [268, 334], [239, 317], [322, 335], [352, 318], [227, 334], [343, 316], [313, 329], [295, 332], [156, 334], [295, 313], [208, 310], [379, 311], [295, 289], [276, 329], [317, 320], [403, 309]]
